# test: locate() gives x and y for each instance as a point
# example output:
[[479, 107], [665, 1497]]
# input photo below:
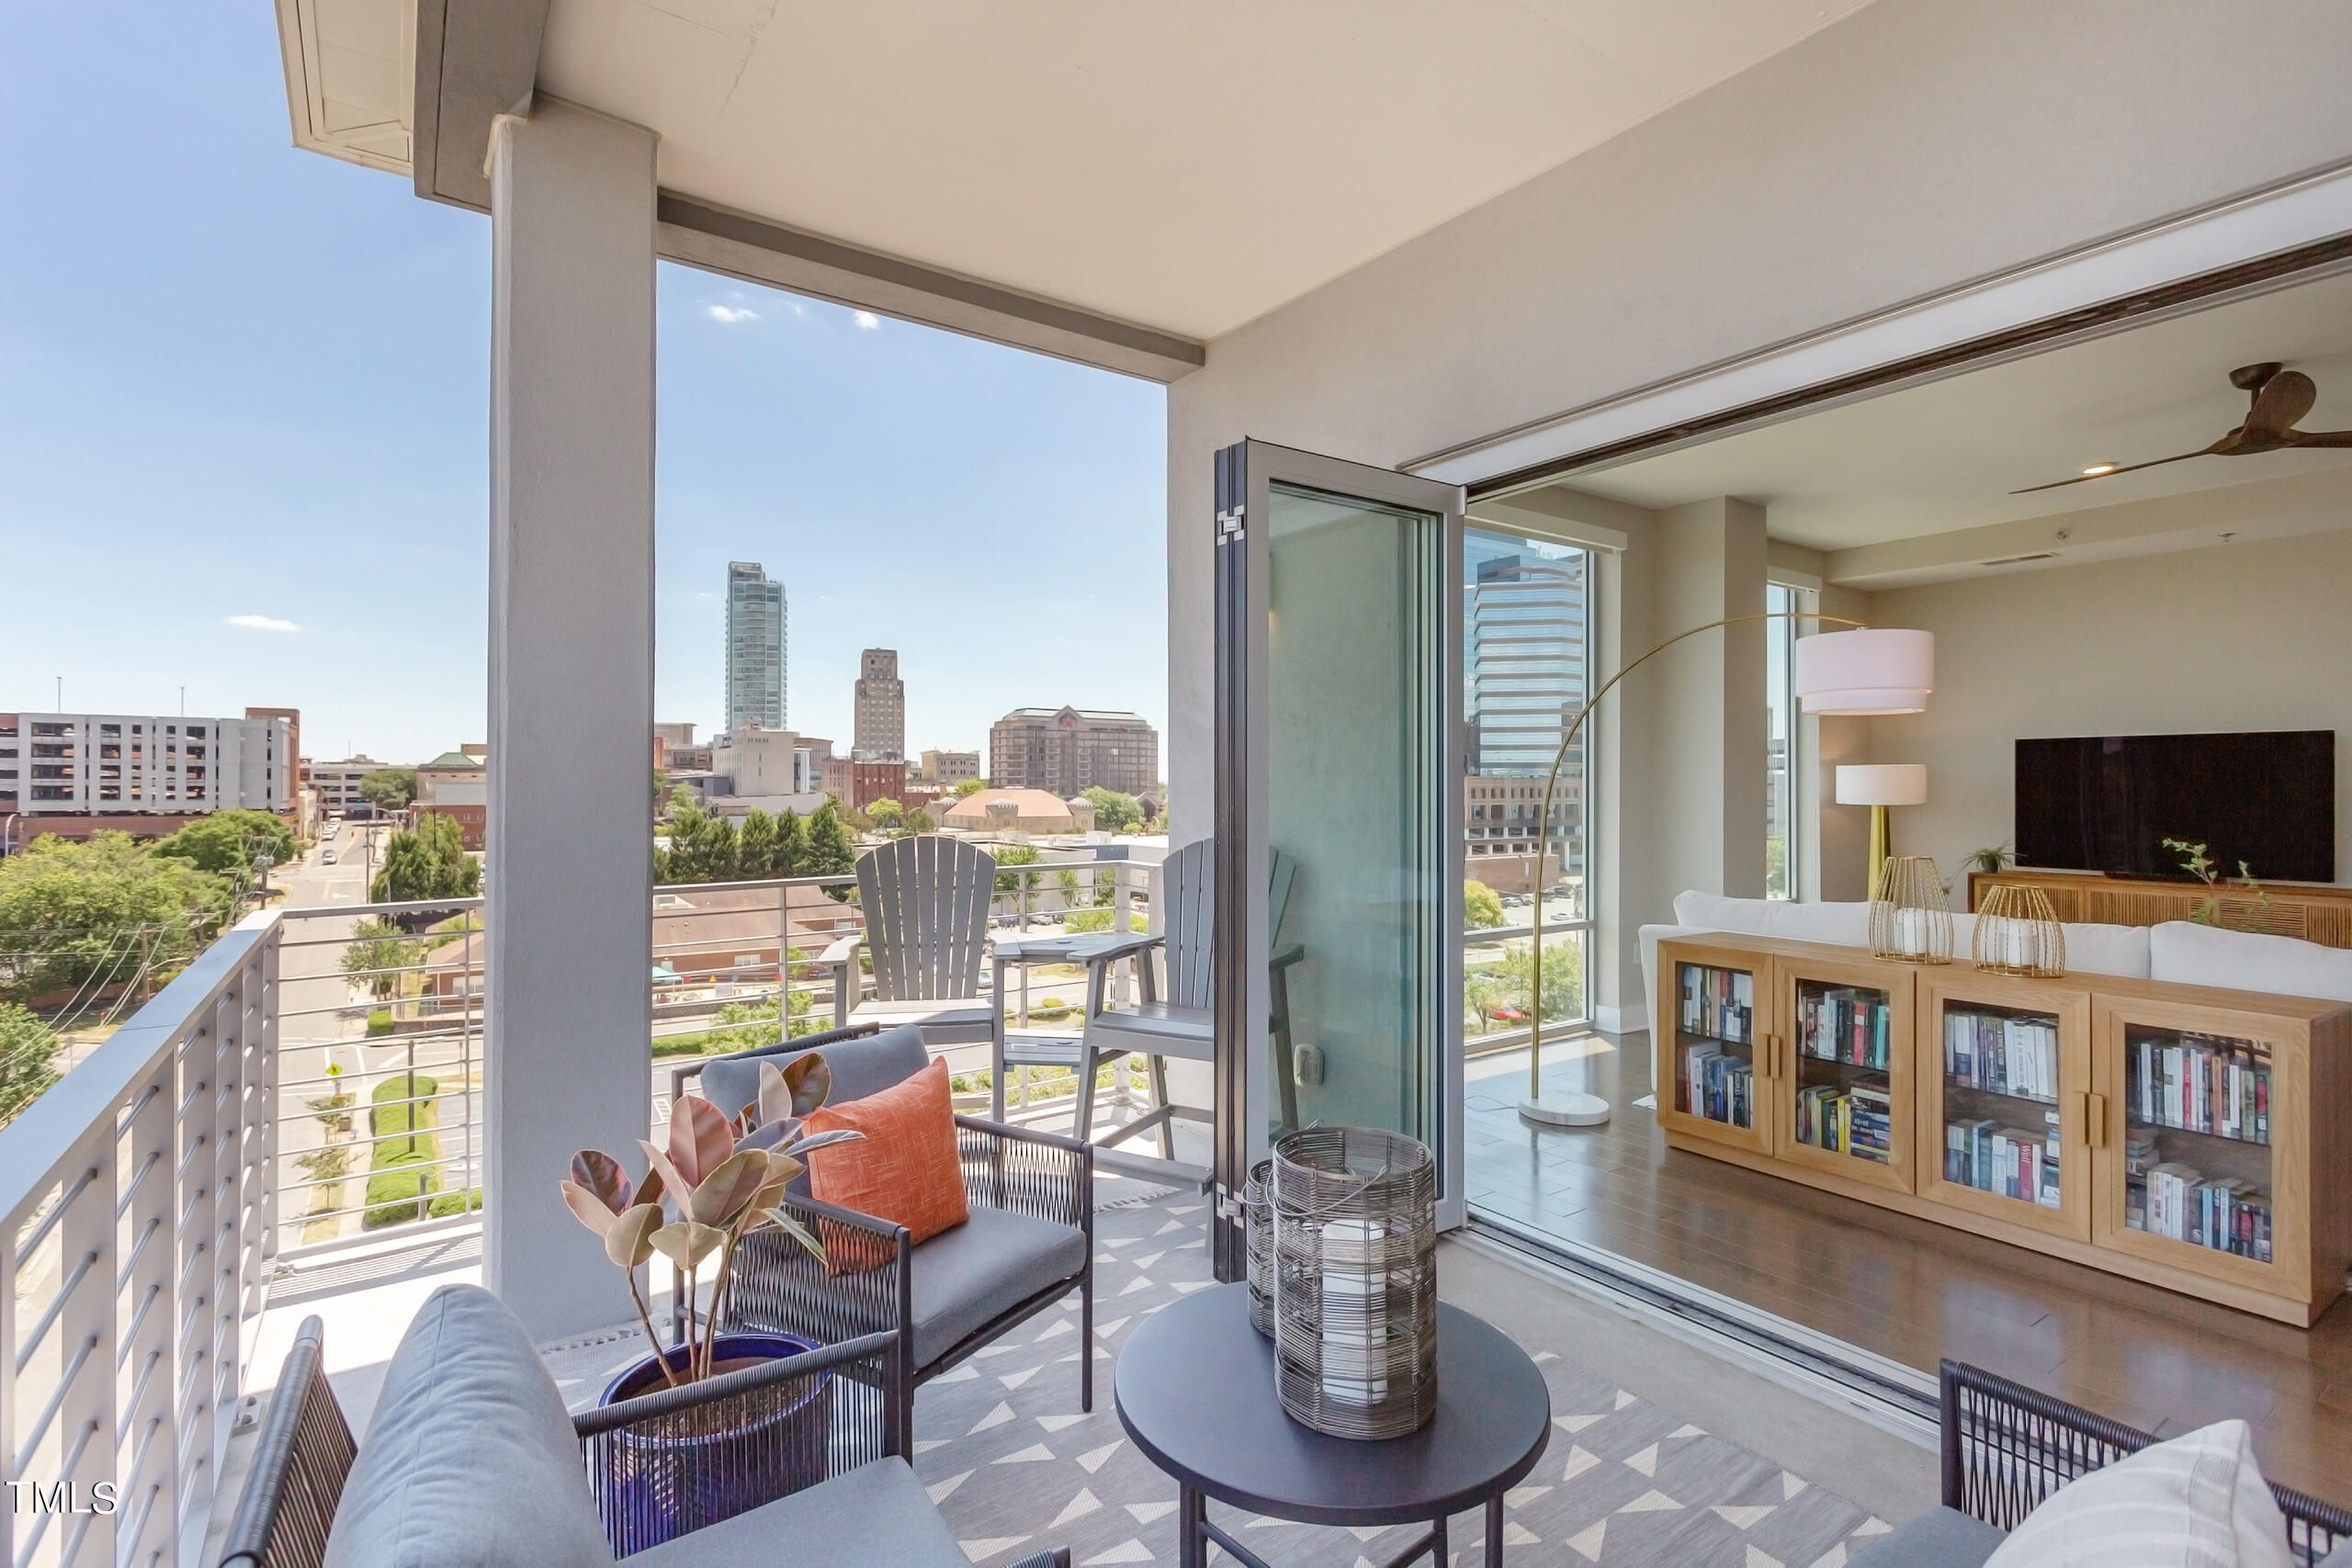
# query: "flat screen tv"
[[2108, 803]]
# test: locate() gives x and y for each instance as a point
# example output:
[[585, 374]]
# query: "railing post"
[[84, 1433]]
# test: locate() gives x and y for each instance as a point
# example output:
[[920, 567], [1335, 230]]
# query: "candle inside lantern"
[[1911, 932], [1355, 1308]]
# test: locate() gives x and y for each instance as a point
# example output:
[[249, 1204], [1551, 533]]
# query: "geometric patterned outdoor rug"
[[1015, 1468]]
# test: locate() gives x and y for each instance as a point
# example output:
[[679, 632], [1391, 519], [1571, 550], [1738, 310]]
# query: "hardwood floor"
[[1901, 1288]]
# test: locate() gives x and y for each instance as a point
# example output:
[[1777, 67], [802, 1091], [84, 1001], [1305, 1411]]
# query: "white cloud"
[[732, 315], [866, 320], [263, 624]]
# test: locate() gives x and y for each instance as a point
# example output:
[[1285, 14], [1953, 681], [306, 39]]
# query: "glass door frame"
[[1245, 475]]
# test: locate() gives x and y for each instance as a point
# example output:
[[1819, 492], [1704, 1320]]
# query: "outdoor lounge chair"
[[926, 904], [1029, 1243], [2007, 1448], [1181, 1025], [471, 1458]]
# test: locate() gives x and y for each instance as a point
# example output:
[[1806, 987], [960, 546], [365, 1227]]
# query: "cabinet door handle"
[[2095, 1121]]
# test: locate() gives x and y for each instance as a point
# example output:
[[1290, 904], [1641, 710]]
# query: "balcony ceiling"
[[1184, 167], [1942, 457]]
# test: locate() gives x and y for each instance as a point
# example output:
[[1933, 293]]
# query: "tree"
[[791, 855], [93, 911], [703, 847], [1114, 812], [427, 860], [1481, 905], [756, 847], [389, 789], [1563, 978], [28, 1060], [831, 851], [377, 946], [885, 813], [918, 821], [970, 786], [225, 843], [1014, 854]]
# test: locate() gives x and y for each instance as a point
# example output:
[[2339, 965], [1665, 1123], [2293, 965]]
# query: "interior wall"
[[2244, 637]]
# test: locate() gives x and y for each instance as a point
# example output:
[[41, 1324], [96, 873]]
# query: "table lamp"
[[1879, 785]]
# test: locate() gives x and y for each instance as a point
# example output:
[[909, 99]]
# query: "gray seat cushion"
[[2340, 1558], [861, 1068], [469, 1460], [877, 1514], [986, 1265], [1940, 1538]]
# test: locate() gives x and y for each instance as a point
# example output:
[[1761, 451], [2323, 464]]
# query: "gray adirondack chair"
[[926, 903], [1181, 1025]]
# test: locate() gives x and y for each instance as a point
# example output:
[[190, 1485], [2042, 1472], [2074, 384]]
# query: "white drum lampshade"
[[1873, 670], [1879, 785], [1882, 783]]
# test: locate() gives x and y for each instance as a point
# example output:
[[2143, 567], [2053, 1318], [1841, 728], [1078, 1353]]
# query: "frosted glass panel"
[[1354, 803]]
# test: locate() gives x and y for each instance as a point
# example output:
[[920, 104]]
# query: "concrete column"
[[571, 691], [1706, 697]]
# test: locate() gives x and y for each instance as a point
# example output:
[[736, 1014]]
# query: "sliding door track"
[[1899, 1398]]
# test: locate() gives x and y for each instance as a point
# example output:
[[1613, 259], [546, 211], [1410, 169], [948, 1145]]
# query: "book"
[[2198, 1083]]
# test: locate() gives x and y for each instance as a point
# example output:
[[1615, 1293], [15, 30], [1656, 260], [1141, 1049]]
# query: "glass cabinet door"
[[2001, 1122], [1849, 1107], [1715, 1068], [2202, 1112]]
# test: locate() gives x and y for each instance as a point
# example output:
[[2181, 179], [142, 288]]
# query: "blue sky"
[[240, 382]]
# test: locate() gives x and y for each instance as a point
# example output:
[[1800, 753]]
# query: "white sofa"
[[2177, 951]]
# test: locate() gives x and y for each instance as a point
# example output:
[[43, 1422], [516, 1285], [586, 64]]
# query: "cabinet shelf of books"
[[1714, 1066], [2003, 1062], [2205, 1139], [1846, 1107]]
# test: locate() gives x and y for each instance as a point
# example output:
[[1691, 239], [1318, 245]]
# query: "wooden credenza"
[[2322, 915], [2195, 1139]]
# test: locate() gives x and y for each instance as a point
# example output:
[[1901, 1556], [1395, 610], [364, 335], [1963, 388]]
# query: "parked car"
[[327, 859]]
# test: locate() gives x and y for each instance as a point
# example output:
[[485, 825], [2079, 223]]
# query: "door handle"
[[2095, 1121]]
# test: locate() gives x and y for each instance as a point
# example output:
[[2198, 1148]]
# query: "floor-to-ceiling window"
[[1780, 742], [1526, 661]]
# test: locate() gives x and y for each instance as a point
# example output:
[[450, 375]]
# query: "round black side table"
[[1195, 1390]]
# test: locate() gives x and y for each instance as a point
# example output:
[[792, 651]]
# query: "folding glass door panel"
[[1337, 808]]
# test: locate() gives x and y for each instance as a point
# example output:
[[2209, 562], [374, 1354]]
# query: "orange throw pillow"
[[905, 1169]]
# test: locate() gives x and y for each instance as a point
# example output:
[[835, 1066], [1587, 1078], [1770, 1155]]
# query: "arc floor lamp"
[[1862, 672]]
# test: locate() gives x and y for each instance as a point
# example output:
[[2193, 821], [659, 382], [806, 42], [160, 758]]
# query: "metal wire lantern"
[[1354, 1299], [2018, 932], [1910, 914], [1258, 1232]]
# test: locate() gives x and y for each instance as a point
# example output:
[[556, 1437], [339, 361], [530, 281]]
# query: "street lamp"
[[263, 860]]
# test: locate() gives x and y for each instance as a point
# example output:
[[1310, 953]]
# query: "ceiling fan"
[[2280, 398]]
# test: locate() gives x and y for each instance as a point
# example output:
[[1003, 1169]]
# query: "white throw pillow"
[[2191, 954], [1714, 912], [2107, 950], [2196, 1502]]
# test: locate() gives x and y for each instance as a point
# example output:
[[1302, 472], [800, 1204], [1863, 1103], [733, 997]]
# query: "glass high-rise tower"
[[755, 648]]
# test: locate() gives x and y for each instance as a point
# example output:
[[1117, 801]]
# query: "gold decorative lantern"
[[2018, 932], [1910, 917]]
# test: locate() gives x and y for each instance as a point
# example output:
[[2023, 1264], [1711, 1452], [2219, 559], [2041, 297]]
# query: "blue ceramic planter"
[[710, 1463]]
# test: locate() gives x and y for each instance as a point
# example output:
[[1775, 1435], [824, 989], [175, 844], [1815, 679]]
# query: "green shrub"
[[379, 1022], [1100, 920], [448, 1203]]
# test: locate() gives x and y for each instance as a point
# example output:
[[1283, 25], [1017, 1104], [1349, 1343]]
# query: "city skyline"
[[311, 378]]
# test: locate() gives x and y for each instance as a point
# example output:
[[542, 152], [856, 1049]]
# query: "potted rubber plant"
[[715, 1181]]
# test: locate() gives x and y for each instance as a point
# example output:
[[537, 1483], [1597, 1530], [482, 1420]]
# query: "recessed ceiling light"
[[2097, 470]]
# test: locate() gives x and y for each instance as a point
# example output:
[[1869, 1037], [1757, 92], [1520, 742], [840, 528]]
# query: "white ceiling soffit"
[[2308, 213], [350, 71], [1184, 167], [1943, 458]]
